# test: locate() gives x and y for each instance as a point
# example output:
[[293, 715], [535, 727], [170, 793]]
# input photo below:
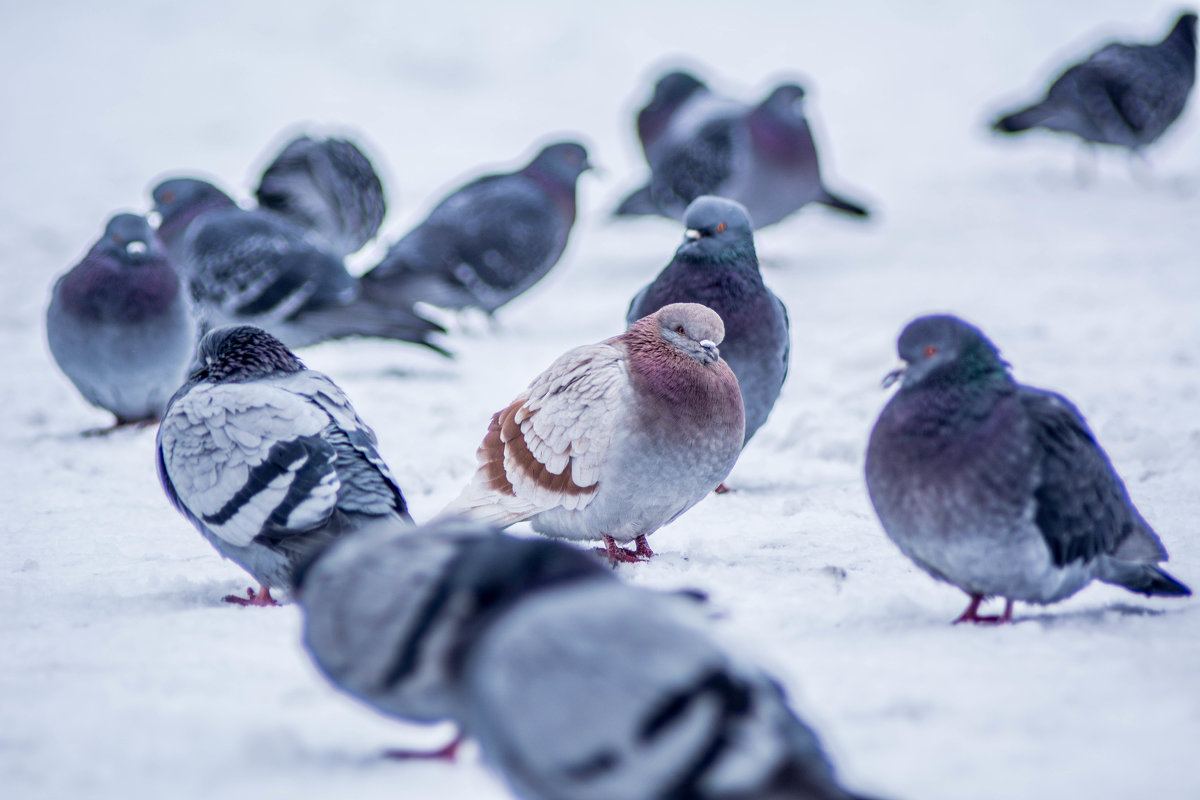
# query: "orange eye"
[[721, 227], [679, 329], [930, 350]]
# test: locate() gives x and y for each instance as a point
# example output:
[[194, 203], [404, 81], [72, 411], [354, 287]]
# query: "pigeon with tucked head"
[[268, 459], [999, 488]]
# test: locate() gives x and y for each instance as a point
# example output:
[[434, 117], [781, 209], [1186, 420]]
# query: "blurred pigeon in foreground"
[[716, 266], [120, 325], [763, 157], [999, 488], [633, 701], [615, 439], [487, 242], [268, 458], [327, 186], [390, 611], [258, 267], [1123, 94]]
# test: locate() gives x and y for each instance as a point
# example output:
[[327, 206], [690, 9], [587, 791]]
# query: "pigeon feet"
[[972, 613], [252, 598], [722, 489], [620, 555], [447, 753]]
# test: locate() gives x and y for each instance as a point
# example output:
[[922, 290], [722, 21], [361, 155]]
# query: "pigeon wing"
[[245, 459], [1081, 505], [547, 448]]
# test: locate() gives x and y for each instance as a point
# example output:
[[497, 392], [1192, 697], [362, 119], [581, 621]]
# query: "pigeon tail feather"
[[1147, 579]]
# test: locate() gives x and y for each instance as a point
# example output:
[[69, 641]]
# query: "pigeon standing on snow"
[[635, 702], [1000, 488], [1123, 94], [328, 187], [489, 241], [763, 156], [257, 267], [268, 458], [615, 439], [120, 325], [716, 266], [390, 611]]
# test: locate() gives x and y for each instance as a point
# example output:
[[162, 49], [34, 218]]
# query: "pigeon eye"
[[680, 329], [721, 227], [930, 350], [168, 197]]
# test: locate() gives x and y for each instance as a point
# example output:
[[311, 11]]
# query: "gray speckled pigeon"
[[489, 241], [615, 439], [328, 187], [716, 266], [763, 157], [999, 488], [1123, 94], [268, 458], [120, 325], [257, 267], [631, 700], [390, 611]]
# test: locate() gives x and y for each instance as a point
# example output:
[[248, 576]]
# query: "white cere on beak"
[[135, 248], [154, 218], [692, 233]]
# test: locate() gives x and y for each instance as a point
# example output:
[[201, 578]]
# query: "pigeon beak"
[[710, 348], [893, 376], [154, 218], [595, 170], [692, 233], [135, 248]]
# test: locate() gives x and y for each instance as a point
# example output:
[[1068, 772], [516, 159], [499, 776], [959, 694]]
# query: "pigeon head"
[[675, 87], [562, 162], [130, 239], [690, 328], [241, 353], [180, 200], [944, 350], [786, 99], [717, 230]]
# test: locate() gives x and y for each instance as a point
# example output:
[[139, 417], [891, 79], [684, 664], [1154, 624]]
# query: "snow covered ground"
[[122, 674]]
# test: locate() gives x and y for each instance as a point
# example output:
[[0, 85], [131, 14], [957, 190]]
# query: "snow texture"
[[123, 675]]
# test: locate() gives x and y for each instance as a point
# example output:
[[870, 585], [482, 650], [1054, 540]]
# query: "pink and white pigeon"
[[615, 439]]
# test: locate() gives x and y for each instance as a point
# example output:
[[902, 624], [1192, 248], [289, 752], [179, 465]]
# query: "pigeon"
[[389, 612], [489, 241], [716, 266], [615, 439], [1123, 94], [999, 488], [258, 267], [268, 459], [672, 92], [120, 324], [633, 701], [763, 157], [328, 187]]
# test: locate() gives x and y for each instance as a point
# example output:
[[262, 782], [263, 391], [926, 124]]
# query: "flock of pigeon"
[[994, 487]]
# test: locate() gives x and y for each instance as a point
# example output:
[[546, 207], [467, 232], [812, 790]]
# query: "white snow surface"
[[123, 675]]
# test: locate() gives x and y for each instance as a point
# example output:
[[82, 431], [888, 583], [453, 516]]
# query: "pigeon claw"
[[620, 555], [722, 488], [972, 613], [252, 598]]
